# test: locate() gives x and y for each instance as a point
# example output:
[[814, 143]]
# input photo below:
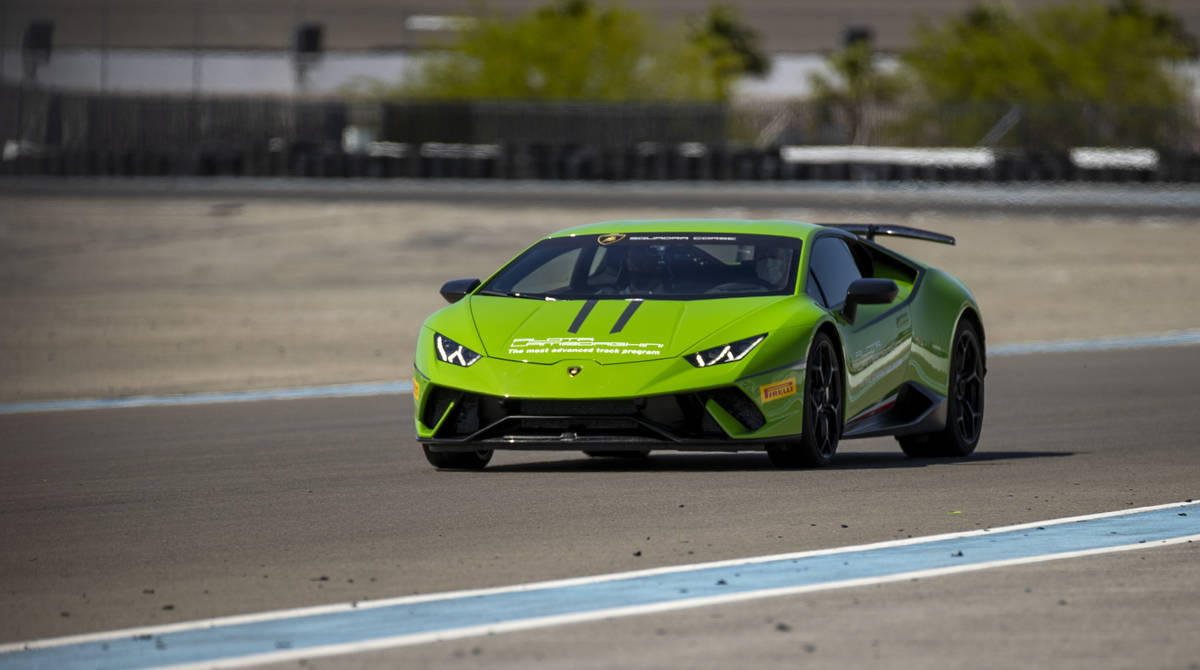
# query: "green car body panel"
[[608, 349]]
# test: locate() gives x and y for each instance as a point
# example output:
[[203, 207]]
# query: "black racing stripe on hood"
[[582, 316], [626, 315]]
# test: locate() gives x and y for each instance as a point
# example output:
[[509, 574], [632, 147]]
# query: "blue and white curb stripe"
[[1178, 338], [356, 627]]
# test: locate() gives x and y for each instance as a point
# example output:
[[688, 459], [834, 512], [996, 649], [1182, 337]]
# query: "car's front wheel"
[[964, 411], [458, 460], [822, 411]]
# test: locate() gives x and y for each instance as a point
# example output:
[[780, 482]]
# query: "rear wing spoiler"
[[870, 230]]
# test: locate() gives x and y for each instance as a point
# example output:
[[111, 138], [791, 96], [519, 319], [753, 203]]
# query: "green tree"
[[1076, 73], [1163, 23], [732, 47], [860, 89], [572, 50]]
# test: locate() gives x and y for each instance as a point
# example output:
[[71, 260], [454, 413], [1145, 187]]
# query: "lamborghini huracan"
[[623, 337]]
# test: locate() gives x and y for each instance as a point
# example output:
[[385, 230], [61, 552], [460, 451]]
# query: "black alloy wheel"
[[822, 411], [964, 403], [968, 387]]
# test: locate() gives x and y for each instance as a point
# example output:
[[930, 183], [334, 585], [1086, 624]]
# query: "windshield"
[[679, 266]]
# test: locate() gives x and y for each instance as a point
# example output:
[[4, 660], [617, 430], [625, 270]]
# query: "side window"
[[814, 289], [834, 268]]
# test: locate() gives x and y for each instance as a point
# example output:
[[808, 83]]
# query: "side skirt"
[[912, 410]]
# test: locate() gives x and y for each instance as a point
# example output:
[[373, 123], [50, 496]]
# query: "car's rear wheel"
[[458, 460], [964, 410], [822, 411]]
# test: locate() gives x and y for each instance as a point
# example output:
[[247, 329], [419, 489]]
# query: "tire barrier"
[[50, 132], [645, 161]]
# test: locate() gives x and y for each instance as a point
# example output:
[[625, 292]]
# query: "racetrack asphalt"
[[127, 517]]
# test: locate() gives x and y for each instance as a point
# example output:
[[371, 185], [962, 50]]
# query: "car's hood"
[[606, 331]]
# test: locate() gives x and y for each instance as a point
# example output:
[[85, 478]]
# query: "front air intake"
[[666, 418], [734, 401]]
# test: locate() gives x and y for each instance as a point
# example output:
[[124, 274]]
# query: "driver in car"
[[771, 265], [643, 273]]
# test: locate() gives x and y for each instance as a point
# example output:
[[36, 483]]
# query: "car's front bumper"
[[740, 414]]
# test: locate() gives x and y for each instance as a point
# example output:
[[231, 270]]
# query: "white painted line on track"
[[1171, 339], [297, 393], [620, 612], [576, 581], [355, 627]]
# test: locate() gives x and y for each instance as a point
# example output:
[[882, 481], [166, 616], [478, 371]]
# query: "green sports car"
[[703, 335]]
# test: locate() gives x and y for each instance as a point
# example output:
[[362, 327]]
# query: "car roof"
[[794, 229]]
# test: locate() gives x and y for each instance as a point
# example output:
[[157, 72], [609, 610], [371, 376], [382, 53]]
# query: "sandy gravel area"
[[114, 296]]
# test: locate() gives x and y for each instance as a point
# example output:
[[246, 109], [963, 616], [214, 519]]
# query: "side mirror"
[[868, 292], [457, 289]]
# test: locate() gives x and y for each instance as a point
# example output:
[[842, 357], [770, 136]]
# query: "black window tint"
[[671, 266], [834, 267]]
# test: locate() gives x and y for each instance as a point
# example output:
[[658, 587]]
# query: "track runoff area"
[[364, 626], [311, 632]]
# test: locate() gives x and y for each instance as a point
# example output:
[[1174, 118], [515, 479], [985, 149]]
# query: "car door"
[[876, 344]]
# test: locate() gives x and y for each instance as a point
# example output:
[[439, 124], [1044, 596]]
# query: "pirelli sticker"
[[777, 390]]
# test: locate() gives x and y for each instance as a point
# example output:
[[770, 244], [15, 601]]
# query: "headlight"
[[449, 351], [734, 351]]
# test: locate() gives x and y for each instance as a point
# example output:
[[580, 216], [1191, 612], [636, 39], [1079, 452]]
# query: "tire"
[[458, 460], [823, 411], [625, 453], [964, 410]]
